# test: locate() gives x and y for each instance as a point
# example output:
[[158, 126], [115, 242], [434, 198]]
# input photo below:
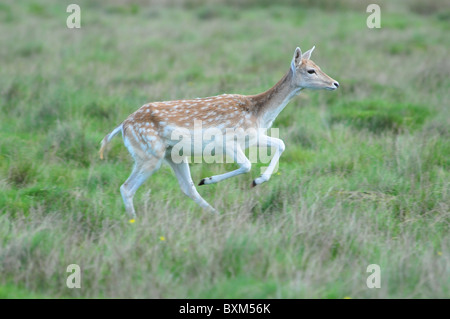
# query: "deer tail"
[[108, 138]]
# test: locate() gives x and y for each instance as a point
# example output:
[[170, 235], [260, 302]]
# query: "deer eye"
[[312, 71]]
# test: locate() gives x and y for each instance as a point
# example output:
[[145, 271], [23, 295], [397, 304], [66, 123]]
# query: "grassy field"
[[364, 179]]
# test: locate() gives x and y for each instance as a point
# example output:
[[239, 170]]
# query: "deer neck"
[[271, 102]]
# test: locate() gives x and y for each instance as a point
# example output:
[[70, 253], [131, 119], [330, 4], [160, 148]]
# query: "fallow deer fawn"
[[148, 132]]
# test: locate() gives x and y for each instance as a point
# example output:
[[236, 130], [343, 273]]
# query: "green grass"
[[380, 115], [364, 178]]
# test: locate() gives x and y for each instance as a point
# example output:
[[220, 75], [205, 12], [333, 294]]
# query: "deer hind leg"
[[148, 158], [141, 172], [239, 157], [183, 175]]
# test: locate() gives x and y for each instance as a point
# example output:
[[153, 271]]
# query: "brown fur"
[[183, 113]]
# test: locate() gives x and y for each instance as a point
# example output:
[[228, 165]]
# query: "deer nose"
[[336, 84]]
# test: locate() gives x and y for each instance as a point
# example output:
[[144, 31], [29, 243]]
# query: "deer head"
[[308, 75]]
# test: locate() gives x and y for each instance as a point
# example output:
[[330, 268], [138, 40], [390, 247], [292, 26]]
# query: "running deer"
[[148, 133]]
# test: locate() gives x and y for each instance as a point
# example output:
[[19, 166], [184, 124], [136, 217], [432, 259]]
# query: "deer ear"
[[307, 54], [297, 59]]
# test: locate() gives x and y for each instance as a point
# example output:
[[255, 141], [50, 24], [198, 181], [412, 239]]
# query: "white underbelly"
[[209, 141]]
